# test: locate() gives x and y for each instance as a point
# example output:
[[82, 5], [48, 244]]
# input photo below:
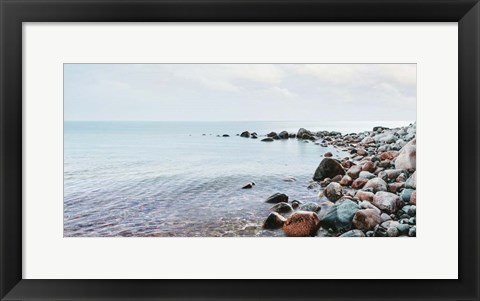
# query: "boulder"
[[368, 205], [376, 184], [328, 155], [366, 219], [277, 198], [301, 223], [245, 134], [407, 158], [225, 135], [268, 139], [333, 191], [272, 134], [305, 134], [282, 207], [387, 202], [274, 221], [328, 168], [339, 216], [283, 135]]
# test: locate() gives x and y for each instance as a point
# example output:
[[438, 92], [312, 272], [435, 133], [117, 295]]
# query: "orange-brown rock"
[[364, 195], [301, 223], [359, 183], [389, 155]]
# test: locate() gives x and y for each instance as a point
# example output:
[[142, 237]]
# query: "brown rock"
[[346, 180], [337, 178], [369, 166], [389, 155], [301, 223], [364, 195], [359, 183], [387, 202], [366, 219], [347, 164], [413, 198], [354, 171], [376, 184], [328, 154], [395, 187]]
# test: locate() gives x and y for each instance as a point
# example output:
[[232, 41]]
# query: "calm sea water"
[[180, 179]]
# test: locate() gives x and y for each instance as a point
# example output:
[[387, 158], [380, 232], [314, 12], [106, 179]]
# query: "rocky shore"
[[370, 193]]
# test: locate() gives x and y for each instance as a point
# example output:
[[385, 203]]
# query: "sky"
[[239, 92]]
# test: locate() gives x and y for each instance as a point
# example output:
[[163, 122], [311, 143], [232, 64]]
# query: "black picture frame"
[[14, 12]]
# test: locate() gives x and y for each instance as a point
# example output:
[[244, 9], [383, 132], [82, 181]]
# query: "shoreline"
[[371, 193]]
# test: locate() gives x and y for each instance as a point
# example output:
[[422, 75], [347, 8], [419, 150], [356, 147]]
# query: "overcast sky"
[[240, 92]]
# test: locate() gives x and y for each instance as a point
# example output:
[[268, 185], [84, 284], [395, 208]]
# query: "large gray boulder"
[[339, 216]]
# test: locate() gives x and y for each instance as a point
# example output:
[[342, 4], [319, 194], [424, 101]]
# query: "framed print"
[[212, 149]]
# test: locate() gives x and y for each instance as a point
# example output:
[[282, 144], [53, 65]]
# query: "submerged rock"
[[268, 139], [277, 198], [310, 206], [282, 207], [249, 185]]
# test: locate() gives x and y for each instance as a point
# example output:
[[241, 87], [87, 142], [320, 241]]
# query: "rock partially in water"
[[277, 198], [301, 223], [333, 191], [353, 233], [274, 221], [272, 134], [328, 155], [245, 134], [328, 168], [282, 207], [310, 206], [283, 135], [225, 135], [366, 219], [268, 139], [296, 204], [387, 202], [339, 216], [249, 185]]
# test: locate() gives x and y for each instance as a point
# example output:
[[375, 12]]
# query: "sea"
[[184, 179]]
